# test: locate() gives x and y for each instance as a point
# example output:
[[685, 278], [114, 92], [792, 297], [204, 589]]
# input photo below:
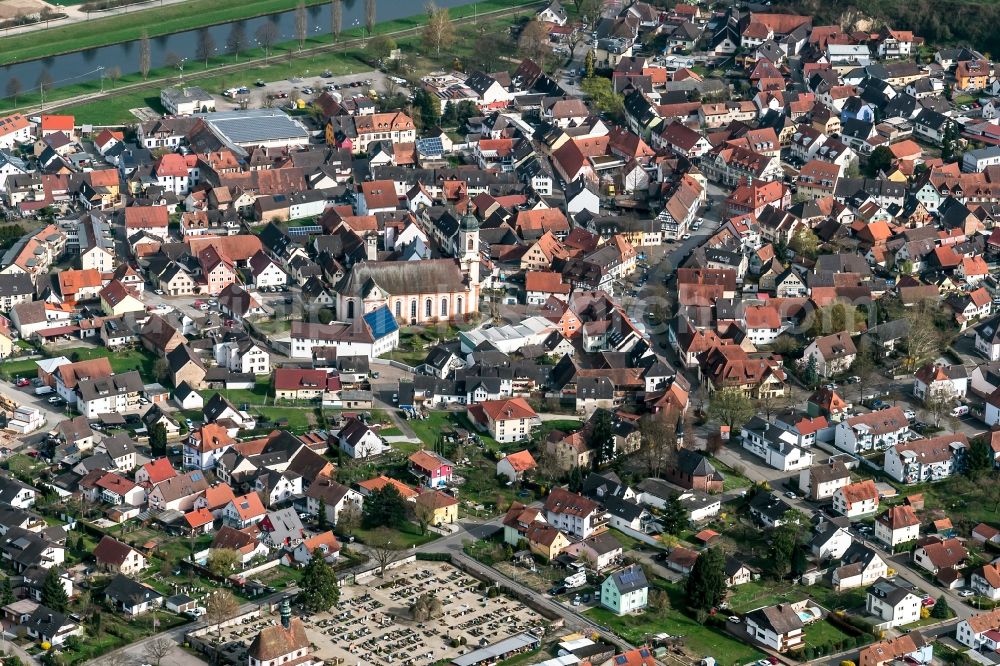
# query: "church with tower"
[[417, 292]]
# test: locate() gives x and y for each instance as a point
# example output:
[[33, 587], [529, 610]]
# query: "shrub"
[[810, 653]]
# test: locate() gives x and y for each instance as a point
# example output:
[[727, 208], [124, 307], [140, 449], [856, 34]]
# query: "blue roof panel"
[[381, 322]]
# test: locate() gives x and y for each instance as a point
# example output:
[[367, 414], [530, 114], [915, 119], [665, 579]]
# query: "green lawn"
[[733, 479], [405, 537], [299, 420], [824, 633], [126, 27], [627, 542], [766, 592], [699, 640], [257, 396], [121, 361], [22, 368]]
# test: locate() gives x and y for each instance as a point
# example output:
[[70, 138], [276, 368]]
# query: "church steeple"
[[468, 244]]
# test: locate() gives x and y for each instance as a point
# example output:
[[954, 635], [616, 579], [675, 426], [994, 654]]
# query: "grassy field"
[[406, 536], [121, 361], [766, 592], [296, 419], [284, 63], [125, 27], [823, 633]]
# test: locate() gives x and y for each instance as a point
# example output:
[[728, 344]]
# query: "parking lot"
[[371, 625], [279, 93]]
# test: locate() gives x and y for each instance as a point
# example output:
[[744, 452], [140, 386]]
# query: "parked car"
[[910, 415], [23, 381], [961, 410], [965, 593]]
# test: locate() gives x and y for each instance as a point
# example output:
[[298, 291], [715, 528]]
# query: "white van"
[[961, 410]]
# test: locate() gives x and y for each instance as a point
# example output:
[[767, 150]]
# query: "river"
[[82, 66]]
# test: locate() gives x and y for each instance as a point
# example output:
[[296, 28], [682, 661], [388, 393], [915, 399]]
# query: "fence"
[[399, 365]]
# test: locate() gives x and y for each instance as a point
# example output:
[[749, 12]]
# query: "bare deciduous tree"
[[267, 35], [370, 16], [301, 24], [220, 606], [115, 73], [659, 442], [336, 18], [534, 40], [383, 549], [145, 55], [237, 39], [44, 82], [439, 29], [157, 650], [14, 88], [206, 46]]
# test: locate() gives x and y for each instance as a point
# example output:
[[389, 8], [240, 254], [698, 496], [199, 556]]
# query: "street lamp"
[[101, 70]]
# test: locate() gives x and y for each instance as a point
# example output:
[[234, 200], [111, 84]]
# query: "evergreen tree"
[[319, 584], [53, 593], [450, 116], [575, 479], [602, 438], [321, 519], [941, 610], [428, 108], [588, 64], [6, 593], [799, 562], [384, 508], [810, 374], [706, 586], [980, 458], [674, 516], [158, 440]]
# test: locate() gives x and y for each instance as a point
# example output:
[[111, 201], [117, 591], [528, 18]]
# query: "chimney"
[[286, 614]]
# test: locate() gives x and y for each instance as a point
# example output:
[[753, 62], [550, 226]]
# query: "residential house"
[[937, 554], [439, 507], [892, 603], [859, 566], [574, 514], [359, 441], [972, 632], [244, 511], [875, 431], [985, 581], [114, 556], [856, 499], [820, 482], [514, 465], [833, 354], [625, 591], [432, 469], [944, 381], [922, 460], [509, 420], [131, 597], [898, 525], [778, 627]]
